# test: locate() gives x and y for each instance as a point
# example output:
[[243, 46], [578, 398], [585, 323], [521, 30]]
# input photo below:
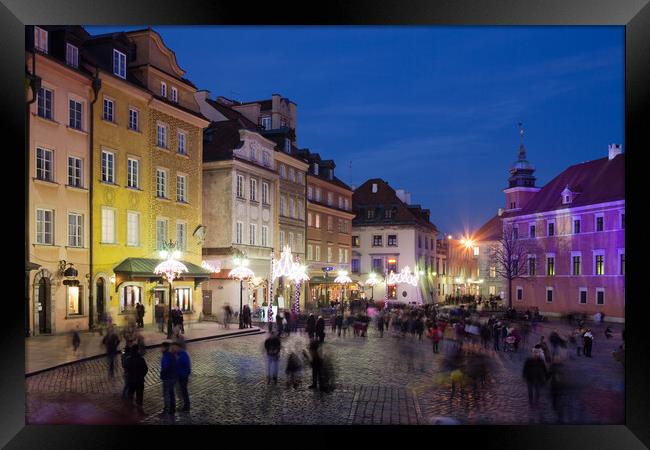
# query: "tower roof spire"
[[522, 149]]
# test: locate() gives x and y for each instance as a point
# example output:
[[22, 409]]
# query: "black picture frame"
[[634, 15]]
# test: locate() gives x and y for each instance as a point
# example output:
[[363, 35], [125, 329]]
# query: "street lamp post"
[[170, 269], [372, 281], [241, 272]]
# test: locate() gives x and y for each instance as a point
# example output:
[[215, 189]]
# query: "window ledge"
[[76, 188], [134, 131], [114, 244], [45, 182], [108, 183], [182, 203], [70, 247], [163, 199], [163, 149], [134, 189], [109, 122], [36, 244], [183, 155], [76, 316], [46, 120], [255, 202], [77, 130]]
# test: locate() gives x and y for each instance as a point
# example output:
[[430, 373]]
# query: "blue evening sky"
[[433, 110]]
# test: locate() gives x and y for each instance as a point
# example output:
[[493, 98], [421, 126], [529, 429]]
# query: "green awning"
[[144, 267]]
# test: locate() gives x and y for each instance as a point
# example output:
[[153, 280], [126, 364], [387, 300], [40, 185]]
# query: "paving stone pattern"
[[385, 380]]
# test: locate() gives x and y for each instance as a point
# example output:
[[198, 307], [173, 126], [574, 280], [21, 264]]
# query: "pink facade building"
[[574, 227]]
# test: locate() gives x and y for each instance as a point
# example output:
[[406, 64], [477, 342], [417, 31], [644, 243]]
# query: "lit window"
[[40, 39], [181, 188], [133, 119], [163, 89], [181, 137], [600, 264], [75, 230], [181, 235], [162, 226], [161, 135], [74, 297], [132, 229], [130, 297], [174, 95], [45, 226], [376, 240], [44, 161], [133, 173], [183, 298]]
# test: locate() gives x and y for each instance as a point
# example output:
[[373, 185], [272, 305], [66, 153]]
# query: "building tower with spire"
[[521, 184]]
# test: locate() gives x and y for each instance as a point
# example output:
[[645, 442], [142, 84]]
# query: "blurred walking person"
[[310, 328], [137, 369], [169, 376], [320, 329], [535, 375], [294, 368], [139, 310], [588, 338], [316, 361], [434, 334], [111, 341], [380, 324], [272, 345], [160, 316], [76, 339], [183, 371], [339, 323]]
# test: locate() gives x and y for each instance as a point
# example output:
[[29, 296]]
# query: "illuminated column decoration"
[[296, 305], [270, 309]]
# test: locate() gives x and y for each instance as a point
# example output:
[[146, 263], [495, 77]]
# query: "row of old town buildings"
[[126, 157]]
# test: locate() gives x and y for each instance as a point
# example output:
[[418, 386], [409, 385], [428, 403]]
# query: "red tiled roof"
[[385, 197], [598, 181], [490, 230]]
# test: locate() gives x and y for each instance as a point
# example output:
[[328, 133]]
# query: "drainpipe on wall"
[[34, 84], [96, 86]]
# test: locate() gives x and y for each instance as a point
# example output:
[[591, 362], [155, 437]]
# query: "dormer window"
[[567, 196], [287, 145], [119, 63], [331, 174], [374, 188], [72, 55], [174, 95], [163, 89], [266, 122], [40, 39], [315, 169]]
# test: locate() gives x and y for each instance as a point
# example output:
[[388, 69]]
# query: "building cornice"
[[565, 211], [178, 113], [521, 189], [329, 210]]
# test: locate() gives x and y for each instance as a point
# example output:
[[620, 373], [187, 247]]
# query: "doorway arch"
[[100, 299], [43, 299]]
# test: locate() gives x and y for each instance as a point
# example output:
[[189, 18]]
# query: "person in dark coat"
[[320, 329], [588, 339], [136, 369], [380, 325], [496, 335], [339, 323], [556, 341], [139, 310], [310, 328], [160, 317], [111, 341], [535, 375], [76, 340], [179, 319], [278, 320], [294, 366], [183, 371], [316, 360], [169, 376], [272, 345]]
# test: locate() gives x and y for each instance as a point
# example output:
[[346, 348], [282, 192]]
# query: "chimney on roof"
[[403, 196], [614, 150]]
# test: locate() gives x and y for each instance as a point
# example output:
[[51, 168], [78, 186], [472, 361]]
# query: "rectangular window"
[[292, 174], [108, 226], [378, 265], [309, 192], [370, 213], [282, 213], [133, 119], [576, 265], [582, 296], [162, 226], [292, 242], [476, 251], [599, 223], [119, 63], [132, 229], [174, 95], [550, 266], [621, 263], [317, 253], [549, 295], [130, 297], [109, 110], [551, 228], [266, 123], [253, 190], [531, 231], [356, 265], [132, 173], [265, 236], [44, 103], [108, 167], [392, 240], [376, 240], [240, 186], [600, 264], [181, 235], [252, 233], [181, 188], [72, 55], [161, 135], [345, 255], [317, 217], [74, 171], [329, 254], [391, 265], [330, 223], [183, 298], [340, 255], [308, 219], [346, 204], [45, 226], [330, 199], [531, 267], [515, 232], [492, 290], [355, 241], [239, 237], [74, 300], [265, 193], [292, 207], [40, 39], [600, 296], [318, 194], [310, 252], [161, 183], [283, 171], [520, 294], [75, 230], [576, 226], [282, 240], [266, 159], [340, 202], [492, 271], [181, 143], [75, 115]]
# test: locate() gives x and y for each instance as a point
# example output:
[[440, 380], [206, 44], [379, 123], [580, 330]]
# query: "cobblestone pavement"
[[385, 380]]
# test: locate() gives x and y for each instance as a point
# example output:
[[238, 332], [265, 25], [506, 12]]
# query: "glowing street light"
[[372, 281], [170, 269], [343, 279], [241, 272]]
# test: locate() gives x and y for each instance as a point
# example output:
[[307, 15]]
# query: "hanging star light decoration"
[[343, 278], [170, 268], [284, 267]]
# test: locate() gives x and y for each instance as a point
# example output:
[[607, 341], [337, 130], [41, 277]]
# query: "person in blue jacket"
[[183, 370], [168, 375]]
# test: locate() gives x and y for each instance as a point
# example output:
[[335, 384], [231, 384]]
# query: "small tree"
[[509, 257]]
